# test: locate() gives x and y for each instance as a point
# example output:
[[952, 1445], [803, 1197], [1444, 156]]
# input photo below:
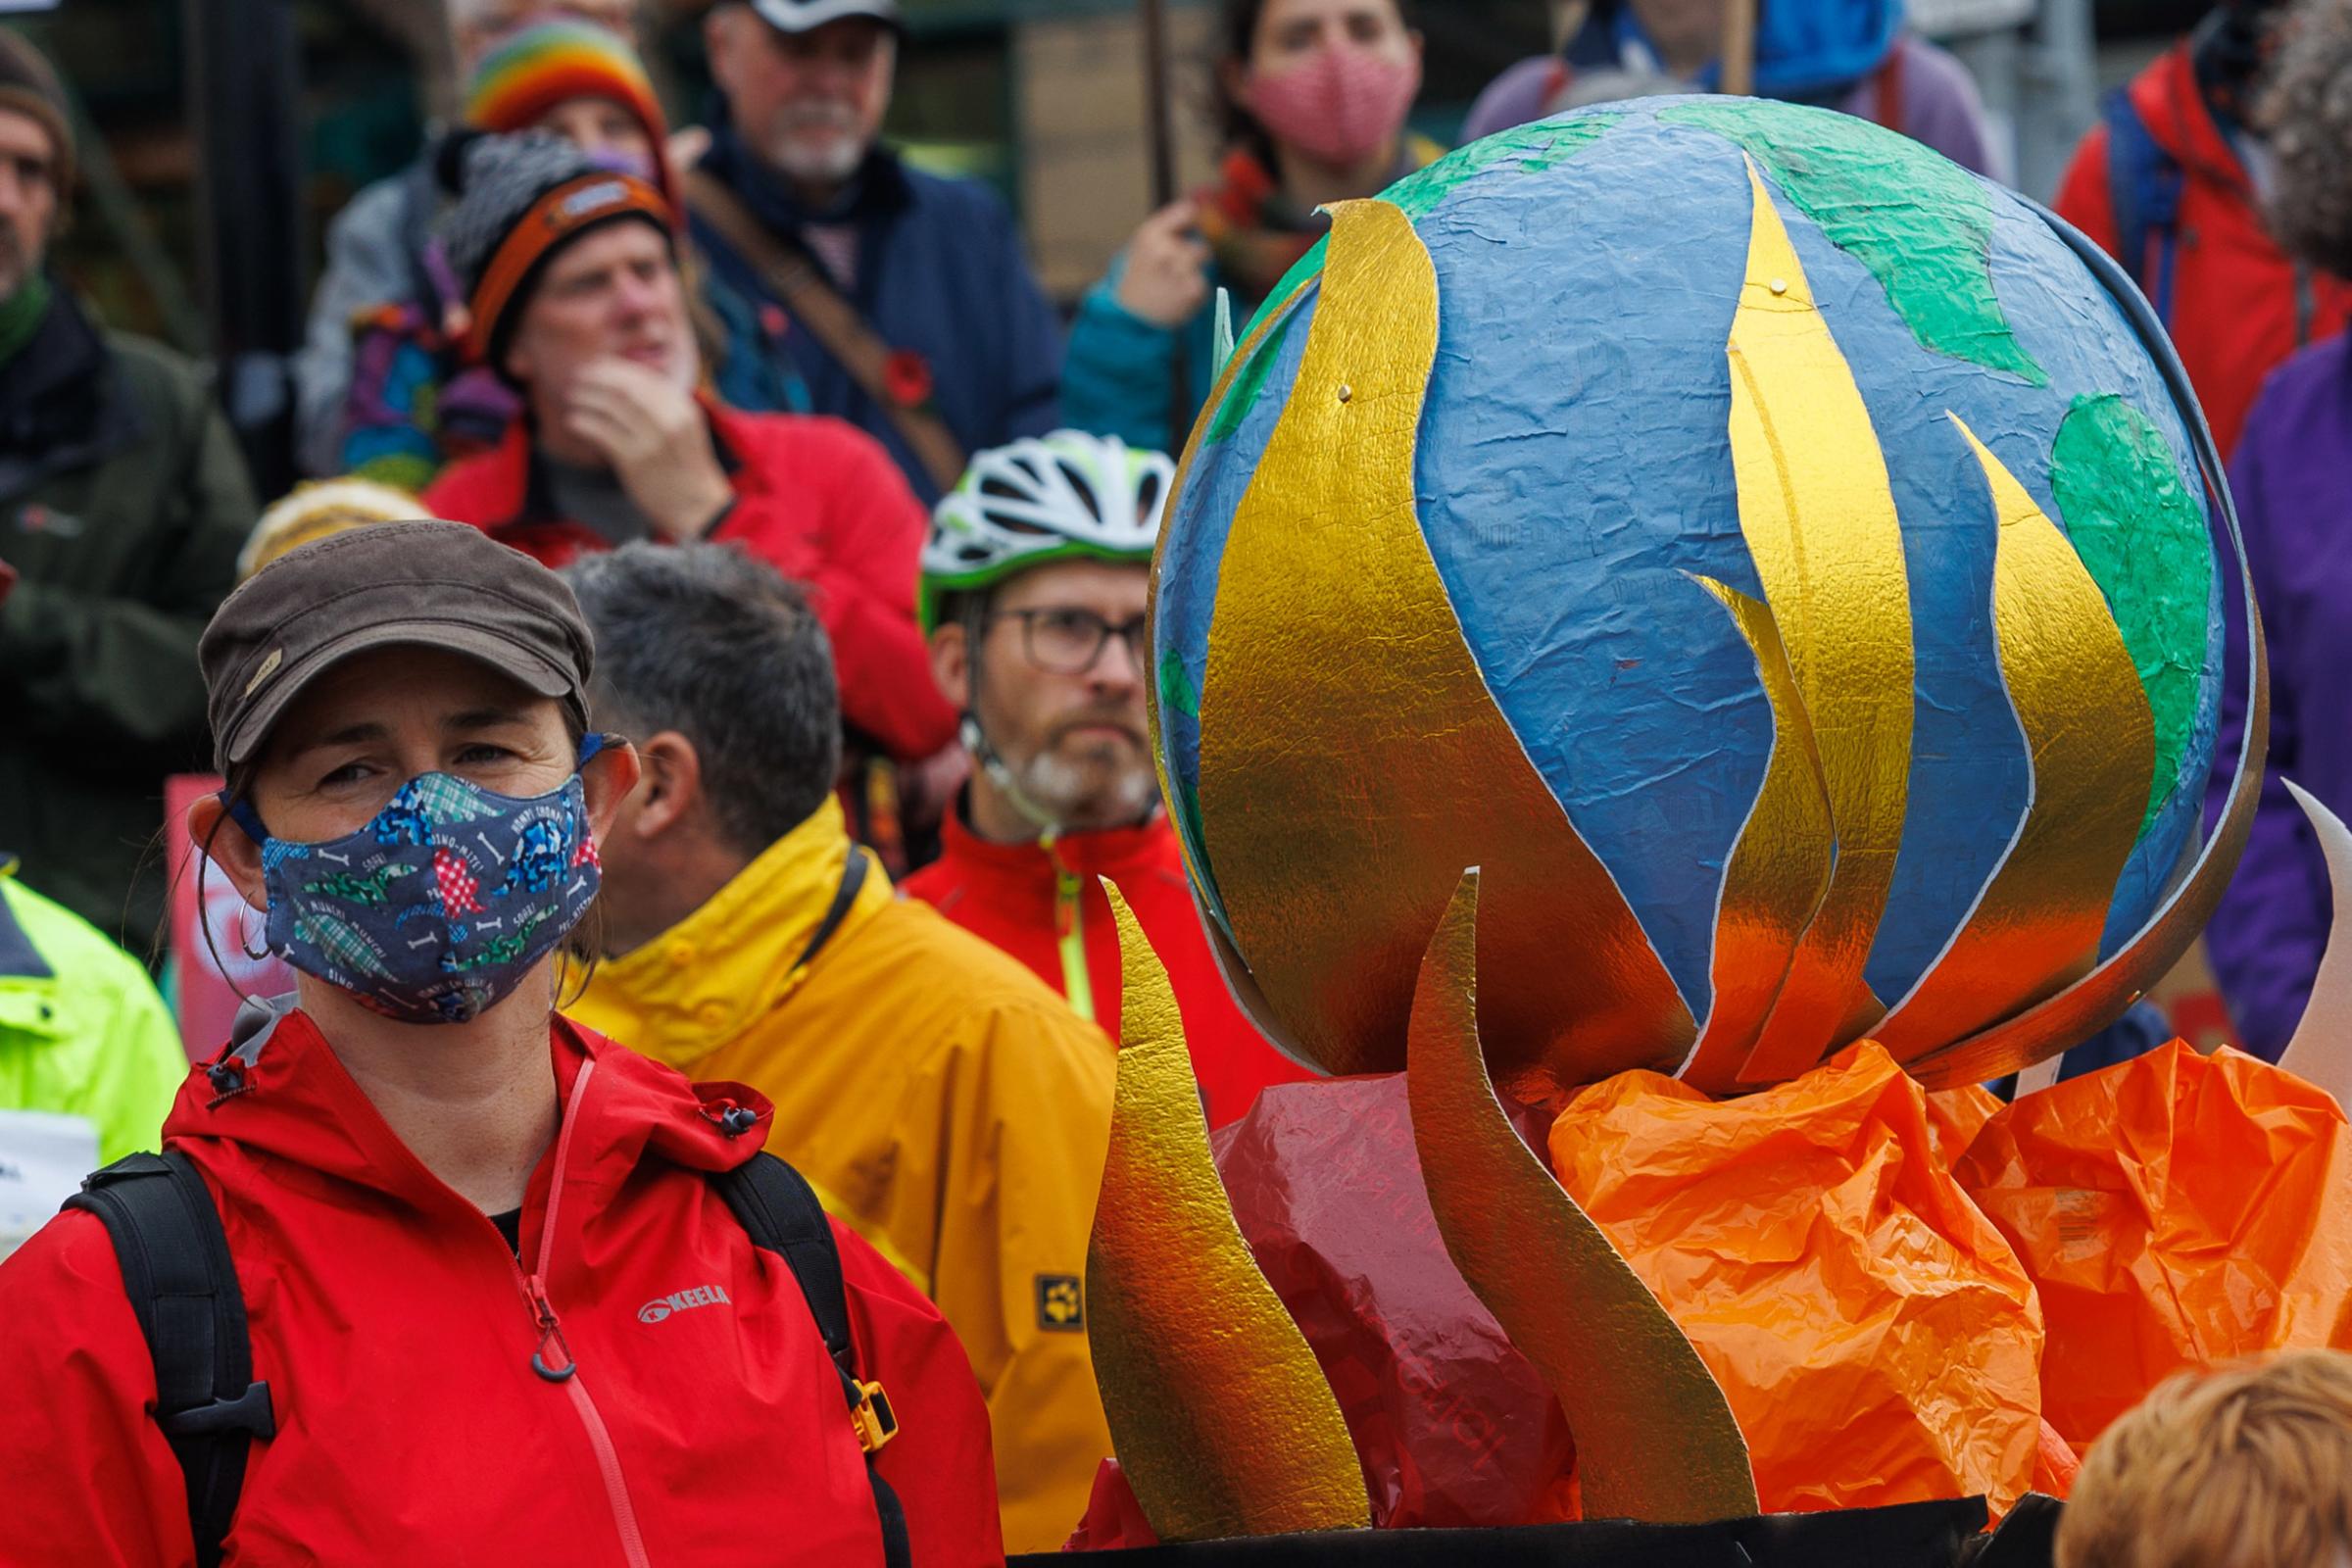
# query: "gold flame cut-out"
[[1818, 513], [2092, 741], [1655, 1437], [1334, 863], [1222, 1420], [1777, 871]]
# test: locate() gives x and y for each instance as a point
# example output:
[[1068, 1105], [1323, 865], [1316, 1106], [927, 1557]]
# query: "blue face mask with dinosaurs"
[[439, 908]]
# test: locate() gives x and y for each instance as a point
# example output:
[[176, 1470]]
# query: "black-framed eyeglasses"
[[1065, 640]]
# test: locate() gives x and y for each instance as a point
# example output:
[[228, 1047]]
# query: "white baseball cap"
[[805, 16]]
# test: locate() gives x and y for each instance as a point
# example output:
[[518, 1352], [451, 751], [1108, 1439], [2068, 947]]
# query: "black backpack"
[[183, 1285]]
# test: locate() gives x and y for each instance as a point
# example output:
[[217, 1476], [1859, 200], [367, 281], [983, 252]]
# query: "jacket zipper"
[[1069, 926], [551, 1331]]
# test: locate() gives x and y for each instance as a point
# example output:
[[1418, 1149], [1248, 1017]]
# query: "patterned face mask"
[[439, 906]]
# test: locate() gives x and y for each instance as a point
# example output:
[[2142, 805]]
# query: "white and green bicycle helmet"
[[1040, 499]]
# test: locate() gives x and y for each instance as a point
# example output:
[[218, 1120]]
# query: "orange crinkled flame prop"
[[2173, 1210], [1876, 1337]]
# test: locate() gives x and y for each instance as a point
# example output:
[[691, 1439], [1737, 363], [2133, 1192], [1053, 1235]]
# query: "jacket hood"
[[726, 966], [2180, 121], [278, 1090]]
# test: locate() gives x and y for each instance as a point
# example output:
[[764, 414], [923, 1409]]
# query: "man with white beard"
[[1034, 587], [907, 304]]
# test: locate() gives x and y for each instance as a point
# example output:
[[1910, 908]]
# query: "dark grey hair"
[[704, 640], [2308, 112]]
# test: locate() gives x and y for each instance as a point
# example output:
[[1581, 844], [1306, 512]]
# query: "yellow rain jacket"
[[941, 1101]]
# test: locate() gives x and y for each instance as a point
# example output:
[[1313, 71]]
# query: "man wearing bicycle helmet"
[[1034, 587]]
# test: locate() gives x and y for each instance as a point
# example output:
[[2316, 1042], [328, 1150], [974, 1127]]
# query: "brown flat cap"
[[424, 585]]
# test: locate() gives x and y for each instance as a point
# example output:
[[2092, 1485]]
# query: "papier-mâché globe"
[[1765, 550]]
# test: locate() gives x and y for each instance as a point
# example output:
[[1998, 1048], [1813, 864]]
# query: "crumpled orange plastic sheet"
[[2175, 1210], [1877, 1338]]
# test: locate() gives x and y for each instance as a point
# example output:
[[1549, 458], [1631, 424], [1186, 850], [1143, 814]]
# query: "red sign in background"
[[209, 980]]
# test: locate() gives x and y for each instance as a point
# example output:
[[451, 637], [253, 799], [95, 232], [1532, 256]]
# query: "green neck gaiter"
[[21, 316]]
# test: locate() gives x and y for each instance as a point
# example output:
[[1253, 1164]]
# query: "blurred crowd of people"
[[844, 531]]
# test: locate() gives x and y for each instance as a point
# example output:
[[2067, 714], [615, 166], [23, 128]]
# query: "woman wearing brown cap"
[[508, 1290]]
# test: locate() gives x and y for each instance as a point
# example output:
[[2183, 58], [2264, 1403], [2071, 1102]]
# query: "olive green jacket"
[[123, 502]]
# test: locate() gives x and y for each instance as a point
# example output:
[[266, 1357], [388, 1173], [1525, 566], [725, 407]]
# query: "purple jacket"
[[2292, 477]]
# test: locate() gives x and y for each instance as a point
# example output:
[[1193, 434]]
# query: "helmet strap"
[[975, 738], [984, 752]]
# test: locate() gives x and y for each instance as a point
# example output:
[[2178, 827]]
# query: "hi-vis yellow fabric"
[[942, 1102]]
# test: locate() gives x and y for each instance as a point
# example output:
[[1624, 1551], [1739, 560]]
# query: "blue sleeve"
[[2141, 1029], [1115, 381], [2266, 937], [1118, 381]]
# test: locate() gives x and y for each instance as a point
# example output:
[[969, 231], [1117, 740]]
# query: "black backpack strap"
[[780, 1212], [182, 1283]]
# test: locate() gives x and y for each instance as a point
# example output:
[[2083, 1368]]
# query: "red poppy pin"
[[906, 377]]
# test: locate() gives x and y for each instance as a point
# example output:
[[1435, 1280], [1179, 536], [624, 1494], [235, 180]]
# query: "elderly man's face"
[[810, 103], [28, 197]]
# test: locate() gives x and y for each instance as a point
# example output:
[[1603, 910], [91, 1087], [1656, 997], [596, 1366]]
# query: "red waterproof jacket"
[[819, 499], [2238, 305], [395, 1330], [1046, 909]]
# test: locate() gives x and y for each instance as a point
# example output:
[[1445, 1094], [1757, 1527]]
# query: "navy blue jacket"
[[940, 272]]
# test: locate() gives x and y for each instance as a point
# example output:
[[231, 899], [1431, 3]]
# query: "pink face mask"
[[1338, 106]]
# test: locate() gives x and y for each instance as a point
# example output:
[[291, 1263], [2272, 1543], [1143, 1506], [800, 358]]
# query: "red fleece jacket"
[[396, 1333], [2238, 308], [1039, 905], [815, 498]]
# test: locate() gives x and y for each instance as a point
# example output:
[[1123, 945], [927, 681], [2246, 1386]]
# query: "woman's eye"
[[348, 774], [482, 754]]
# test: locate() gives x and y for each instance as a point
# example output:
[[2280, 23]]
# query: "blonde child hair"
[[2247, 1467]]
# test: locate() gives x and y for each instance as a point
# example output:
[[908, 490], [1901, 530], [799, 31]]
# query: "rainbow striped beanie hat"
[[554, 62]]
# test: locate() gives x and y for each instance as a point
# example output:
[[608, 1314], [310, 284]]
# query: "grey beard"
[[837, 160], [1060, 790]]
